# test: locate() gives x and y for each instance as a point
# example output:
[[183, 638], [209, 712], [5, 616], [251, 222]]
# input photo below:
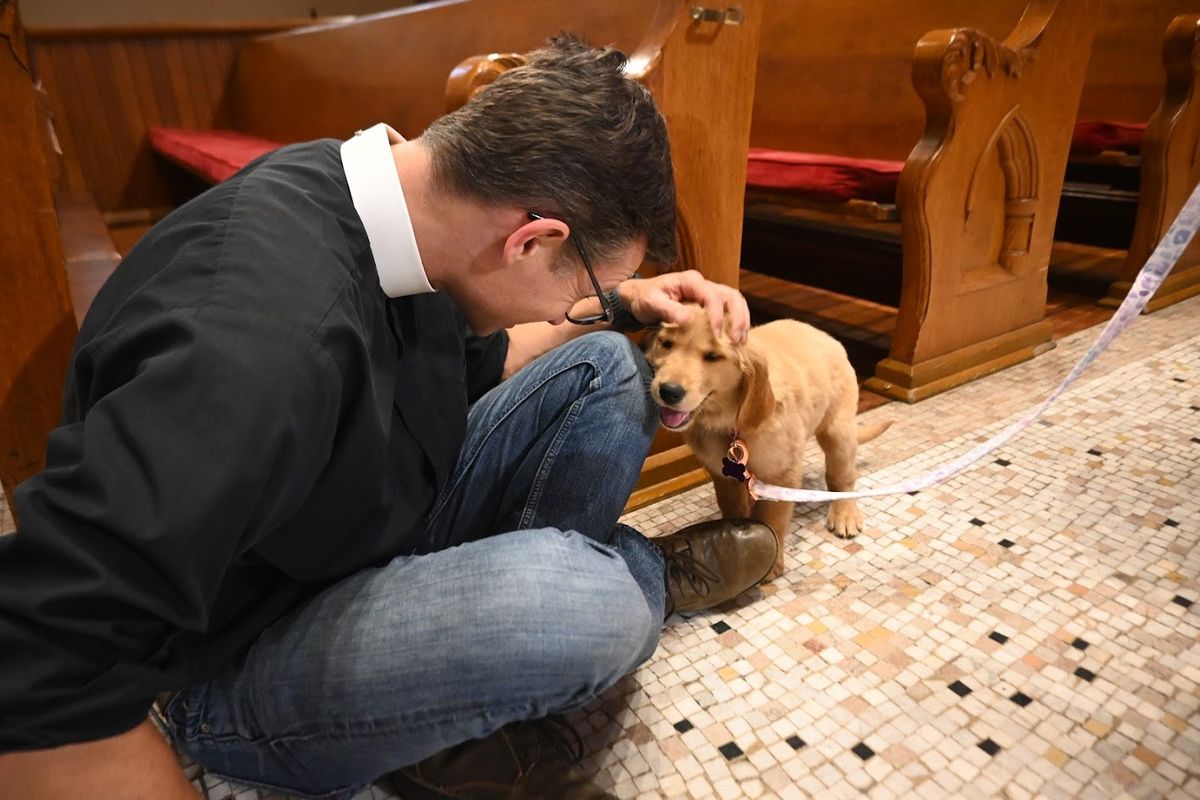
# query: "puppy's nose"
[[671, 392]]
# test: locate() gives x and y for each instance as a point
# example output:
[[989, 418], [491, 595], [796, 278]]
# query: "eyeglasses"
[[606, 312]]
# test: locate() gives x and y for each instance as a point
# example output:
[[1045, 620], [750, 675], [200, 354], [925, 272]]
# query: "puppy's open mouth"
[[673, 419]]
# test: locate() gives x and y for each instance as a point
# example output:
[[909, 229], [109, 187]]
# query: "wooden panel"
[[1125, 76], [833, 82], [835, 76], [392, 67], [107, 86]]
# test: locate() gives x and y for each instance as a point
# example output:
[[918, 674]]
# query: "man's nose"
[[671, 392]]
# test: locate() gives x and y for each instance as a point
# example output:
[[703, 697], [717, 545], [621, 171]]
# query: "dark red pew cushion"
[[213, 155], [823, 176], [1097, 136]]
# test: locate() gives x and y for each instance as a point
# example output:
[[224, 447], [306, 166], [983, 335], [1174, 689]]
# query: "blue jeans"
[[526, 598]]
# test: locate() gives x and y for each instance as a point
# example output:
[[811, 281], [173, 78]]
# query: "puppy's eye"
[[712, 355], [665, 344]]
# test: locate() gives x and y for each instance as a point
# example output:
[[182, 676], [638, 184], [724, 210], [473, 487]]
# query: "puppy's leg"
[[839, 440], [732, 497], [777, 514]]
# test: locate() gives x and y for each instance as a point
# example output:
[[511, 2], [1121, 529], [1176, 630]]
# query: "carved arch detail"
[[1013, 146]]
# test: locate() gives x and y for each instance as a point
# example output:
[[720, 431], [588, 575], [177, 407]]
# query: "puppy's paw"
[[844, 518], [776, 570]]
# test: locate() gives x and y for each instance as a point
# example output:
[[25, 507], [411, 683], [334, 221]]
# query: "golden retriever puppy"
[[789, 382]]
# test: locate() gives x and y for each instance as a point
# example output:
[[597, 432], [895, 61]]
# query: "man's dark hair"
[[567, 135]]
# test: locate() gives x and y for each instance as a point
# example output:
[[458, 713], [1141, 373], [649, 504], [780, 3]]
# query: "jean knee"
[[587, 628], [624, 370]]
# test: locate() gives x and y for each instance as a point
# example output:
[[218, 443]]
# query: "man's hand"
[[661, 299]]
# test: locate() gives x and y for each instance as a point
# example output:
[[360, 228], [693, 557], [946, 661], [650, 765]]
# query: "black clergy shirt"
[[247, 418]]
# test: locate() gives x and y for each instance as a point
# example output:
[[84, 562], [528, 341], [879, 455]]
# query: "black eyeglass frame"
[[607, 314]]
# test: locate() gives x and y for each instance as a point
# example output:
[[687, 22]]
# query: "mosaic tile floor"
[[1026, 629]]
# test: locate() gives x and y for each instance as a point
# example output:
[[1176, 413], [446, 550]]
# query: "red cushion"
[[824, 176], [213, 155], [1096, 137]]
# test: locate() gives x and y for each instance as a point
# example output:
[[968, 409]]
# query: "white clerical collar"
[[379, 200]]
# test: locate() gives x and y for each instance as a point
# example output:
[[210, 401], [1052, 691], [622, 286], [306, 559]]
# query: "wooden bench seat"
[[839, 178], [210, 155]]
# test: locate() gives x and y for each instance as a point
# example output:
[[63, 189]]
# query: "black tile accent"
[[1080, 644], [997, 636], [1179, 380], [720, 627], [960, 688], [1181, 600], [795, 742], [1085, 673], [977, 521], [989, 747], [1194, 408], [1170, 523], [862, 751], [684, 725], [1006, 543], [1094, 452], [730, 750], [1196, 439], [1021, 699], [1003, 462], [913, 494]]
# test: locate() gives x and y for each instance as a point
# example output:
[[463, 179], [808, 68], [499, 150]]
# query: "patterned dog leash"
[[1160, 263]]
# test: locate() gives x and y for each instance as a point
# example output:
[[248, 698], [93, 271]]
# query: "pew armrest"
[[87, 248]]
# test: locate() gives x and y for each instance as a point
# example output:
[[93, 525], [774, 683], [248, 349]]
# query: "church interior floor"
[[1028, 628]]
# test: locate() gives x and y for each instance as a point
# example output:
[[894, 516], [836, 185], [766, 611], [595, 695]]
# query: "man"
[[269, 497]]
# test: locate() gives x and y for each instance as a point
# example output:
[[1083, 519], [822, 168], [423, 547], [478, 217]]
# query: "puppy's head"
[[704, 380]]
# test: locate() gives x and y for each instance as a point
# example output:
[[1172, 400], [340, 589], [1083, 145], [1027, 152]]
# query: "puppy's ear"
[[758, 401], [649, 337]]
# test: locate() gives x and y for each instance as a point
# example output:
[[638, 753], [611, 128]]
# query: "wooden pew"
[[393, 67], [55, 251], [1145, 69], [37, 323], [982, 126]]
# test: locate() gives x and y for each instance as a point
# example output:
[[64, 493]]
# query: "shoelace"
[[682, 566], [561, 736]]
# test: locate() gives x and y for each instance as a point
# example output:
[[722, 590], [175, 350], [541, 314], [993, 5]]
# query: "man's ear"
[[526, 240], [758, 401]]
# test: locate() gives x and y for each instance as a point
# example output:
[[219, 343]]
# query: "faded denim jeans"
[[526, 599]]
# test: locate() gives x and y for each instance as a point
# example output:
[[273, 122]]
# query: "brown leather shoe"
[[711, 562], [537, 760]]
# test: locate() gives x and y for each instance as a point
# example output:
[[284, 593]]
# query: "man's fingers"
[[715, 307], [738, 314]]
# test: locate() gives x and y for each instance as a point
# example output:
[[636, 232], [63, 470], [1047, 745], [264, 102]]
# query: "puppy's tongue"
[[672, 418]]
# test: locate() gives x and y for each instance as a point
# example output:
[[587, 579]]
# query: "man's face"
[[541, 290]]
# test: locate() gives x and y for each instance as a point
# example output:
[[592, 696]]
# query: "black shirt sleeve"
[[197, 432], [485, 362]]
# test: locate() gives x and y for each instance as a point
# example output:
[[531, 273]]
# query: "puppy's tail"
[[869, 432]]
